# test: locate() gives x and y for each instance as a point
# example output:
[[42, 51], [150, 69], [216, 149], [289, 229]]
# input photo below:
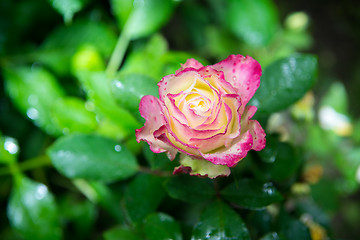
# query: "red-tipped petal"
[[150, 110], [243, 73]]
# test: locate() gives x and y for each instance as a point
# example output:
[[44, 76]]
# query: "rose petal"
[[150, 110], [201, 167], [190, 63], [165, 135], [217, 80], [254, 127], [185, 133], [223, 138], [258, 135], [231, 156], [243, 73], [173, 110], [174, 84]]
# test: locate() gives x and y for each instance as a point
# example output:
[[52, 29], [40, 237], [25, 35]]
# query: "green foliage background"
[[73, 73]]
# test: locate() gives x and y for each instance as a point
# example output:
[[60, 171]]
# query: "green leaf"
[[121, 233], [82, 32], [284, 164], [87, 58], [141, 18], [190, 189], [158, 161], [122, 10], [34, 91], [336, 98], [143, 195], [272, 236], [269, 154], [92, 157], [260, 222], [80, 213], [347, 162], [68, 7], [32, 211], [219, 221], [147, 60], [284, 82], [98, 89], [293, 229], [71, 115], [160, 226], [64, 42], [128, 90], [9, 150], [251, 194], [254, 21], [326, 195], [106, 198], [309, 207], [319, 141]]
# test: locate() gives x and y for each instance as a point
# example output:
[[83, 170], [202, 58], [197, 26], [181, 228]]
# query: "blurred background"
[[325, 123]]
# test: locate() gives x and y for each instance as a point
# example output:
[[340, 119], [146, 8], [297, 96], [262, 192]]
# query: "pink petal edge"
[[150, 110], [190, 63], [255, 128], [243, 73], [231, 156]]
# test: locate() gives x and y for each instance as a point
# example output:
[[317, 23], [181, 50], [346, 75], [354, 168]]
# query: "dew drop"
[[358, 174], [10, 145], [90, 106], [268, 188], [118, 84], [234, 78], [32, 113], [117, 148], [41, 192]]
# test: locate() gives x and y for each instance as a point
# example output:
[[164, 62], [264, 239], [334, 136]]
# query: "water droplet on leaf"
[[40, 192], [32, 113], [10, 145], [117, 148]]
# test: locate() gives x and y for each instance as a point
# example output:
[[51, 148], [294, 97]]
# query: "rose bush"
[[201, 112]]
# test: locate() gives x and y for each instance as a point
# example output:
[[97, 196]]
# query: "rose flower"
[[202, 113]]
